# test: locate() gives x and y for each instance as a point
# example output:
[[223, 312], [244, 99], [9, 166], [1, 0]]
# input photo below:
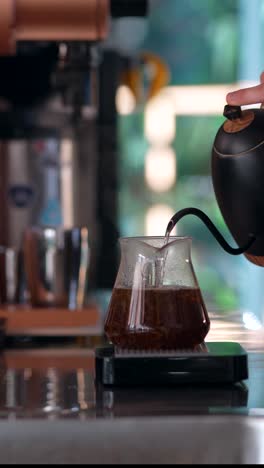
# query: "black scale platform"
[[214, 363]]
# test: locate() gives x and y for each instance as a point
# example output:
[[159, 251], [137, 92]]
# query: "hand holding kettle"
[[247, 96], [237, 174]]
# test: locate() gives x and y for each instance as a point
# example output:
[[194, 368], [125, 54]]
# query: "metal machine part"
[[57, 264], [58, 122], [128, 8], [51, 20], [57, 20]]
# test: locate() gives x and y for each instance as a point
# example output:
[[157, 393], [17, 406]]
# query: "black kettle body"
[[238, 177], [238, 180]]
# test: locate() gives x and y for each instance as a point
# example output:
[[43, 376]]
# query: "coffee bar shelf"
[[29, 321]]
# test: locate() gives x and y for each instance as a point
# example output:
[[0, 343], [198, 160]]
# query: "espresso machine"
[[58, 121]]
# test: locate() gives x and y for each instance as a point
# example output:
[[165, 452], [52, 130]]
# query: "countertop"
[[51, 410]]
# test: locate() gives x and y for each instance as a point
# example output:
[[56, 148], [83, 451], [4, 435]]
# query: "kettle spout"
[[212, 228]]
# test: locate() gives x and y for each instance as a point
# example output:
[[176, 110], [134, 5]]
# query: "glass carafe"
[[156, 302]]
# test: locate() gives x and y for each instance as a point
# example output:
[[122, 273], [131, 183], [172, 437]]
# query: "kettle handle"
[[218, 236]]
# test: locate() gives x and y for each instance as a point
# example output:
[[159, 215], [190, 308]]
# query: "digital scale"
[[214, 363]]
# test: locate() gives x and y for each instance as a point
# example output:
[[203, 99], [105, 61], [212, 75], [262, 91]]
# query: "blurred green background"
[[203, 43]]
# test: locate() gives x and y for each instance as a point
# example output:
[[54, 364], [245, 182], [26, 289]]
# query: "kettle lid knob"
[[232, 112]]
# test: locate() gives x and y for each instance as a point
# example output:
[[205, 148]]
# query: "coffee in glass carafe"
[[156, 302]]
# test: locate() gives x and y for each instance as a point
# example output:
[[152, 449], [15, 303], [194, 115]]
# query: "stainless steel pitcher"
[[56, 265]]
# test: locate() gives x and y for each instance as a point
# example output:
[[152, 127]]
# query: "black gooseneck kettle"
[[238, 180]]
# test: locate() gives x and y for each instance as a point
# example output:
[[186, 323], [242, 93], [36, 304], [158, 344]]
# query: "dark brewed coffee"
[[173, 318]]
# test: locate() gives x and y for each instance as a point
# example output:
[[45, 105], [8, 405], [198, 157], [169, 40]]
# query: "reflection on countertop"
[[47, 383], [59, 382]]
